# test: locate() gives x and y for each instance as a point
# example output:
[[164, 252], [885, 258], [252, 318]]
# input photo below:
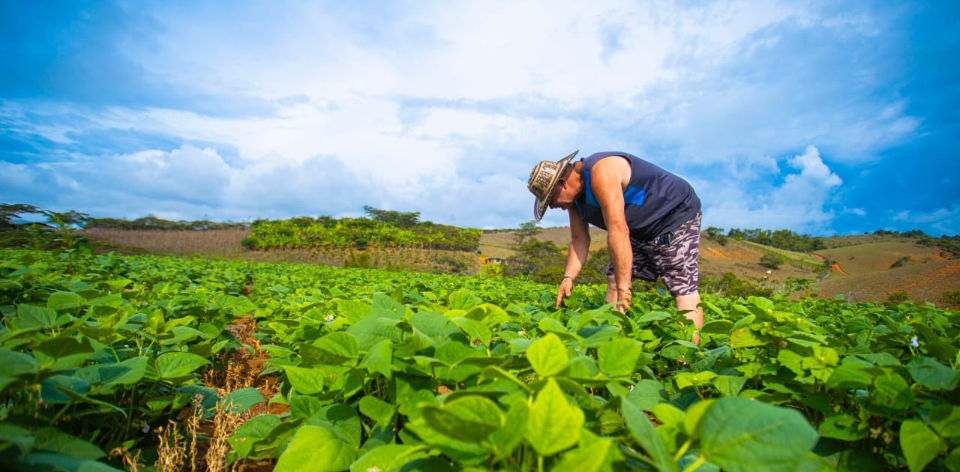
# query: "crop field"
[[113, 362]]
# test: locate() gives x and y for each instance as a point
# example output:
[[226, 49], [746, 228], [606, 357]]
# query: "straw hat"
[[542, 181]]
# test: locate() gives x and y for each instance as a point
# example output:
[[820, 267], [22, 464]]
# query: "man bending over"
[[652, 218]]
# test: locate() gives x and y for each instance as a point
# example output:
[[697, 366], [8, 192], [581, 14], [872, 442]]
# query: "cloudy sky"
[[823, 117]]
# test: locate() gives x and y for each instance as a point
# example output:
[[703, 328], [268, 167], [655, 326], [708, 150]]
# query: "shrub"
[[549, 275], [900, 262], [359, 260], [591, 276], [729, 285], [897, 297], [771, 261]]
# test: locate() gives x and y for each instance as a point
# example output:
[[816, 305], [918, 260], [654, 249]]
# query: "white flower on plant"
[[330, 317], [915, 342], [146, 428], [521, 332]]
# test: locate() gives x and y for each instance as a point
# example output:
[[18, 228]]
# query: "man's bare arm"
[[607, 180], [577, 255]]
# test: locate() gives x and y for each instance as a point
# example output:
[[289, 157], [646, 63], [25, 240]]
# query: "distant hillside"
[[874, 270]]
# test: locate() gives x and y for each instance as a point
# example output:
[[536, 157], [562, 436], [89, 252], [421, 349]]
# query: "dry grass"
[[500, 243], [131, 462], [219, 243], [864, 272], [224, 423], [171, 450]]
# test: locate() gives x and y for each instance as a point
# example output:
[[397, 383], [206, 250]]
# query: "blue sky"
[[823, 117]]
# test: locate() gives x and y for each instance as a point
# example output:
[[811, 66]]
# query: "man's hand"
[[624, 299], [566, 284]]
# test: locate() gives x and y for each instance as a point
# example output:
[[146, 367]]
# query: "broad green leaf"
[[127, 372], [176, 365], [728, 385], [379, 359], [694, 415], [79, 398], [64, 352], [52, 439], [388, 457], [643, 432], [741, 435], [843, 427], [44, 461], [463, 300], [694, 379], [932, 374], [469, 419], [341, 419], [891, 394], [63, 301], [653, 316], [458, 451], [304, 406], [20, 437], [554, 423], [18, 364], [32, 317], [113, 301], [850, 376], [548, 356], [619, 357], [245, 437], [241, 400], [305, 380], [920, 445], [7, 285], [647, 394], [377, 410], [340, 346], [717, 327], [370, 331], [476, 330], [353, 310], [945, 419], [50, 388], [495, 373], [744, 338], [508, 437], [316, 449], [584, 459]]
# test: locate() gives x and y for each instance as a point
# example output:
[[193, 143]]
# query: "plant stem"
[[682, 451], [695, 465]]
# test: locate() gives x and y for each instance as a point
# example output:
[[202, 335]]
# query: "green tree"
[[398, 218], [528, 231]]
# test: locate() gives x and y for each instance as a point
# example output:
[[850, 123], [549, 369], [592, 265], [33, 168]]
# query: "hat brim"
[[540, 206]]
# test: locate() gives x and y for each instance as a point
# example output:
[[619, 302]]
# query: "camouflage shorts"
[[671, 257]]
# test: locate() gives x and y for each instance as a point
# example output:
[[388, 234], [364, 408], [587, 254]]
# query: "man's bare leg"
[[690, 302]]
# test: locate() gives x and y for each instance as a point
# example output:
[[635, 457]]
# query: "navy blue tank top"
[[655, 201]]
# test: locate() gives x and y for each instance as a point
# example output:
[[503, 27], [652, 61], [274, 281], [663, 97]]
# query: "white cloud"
[[798, 203], [443, 107], [941, 220]]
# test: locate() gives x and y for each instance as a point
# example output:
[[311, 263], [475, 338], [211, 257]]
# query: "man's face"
[[559, 199]]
